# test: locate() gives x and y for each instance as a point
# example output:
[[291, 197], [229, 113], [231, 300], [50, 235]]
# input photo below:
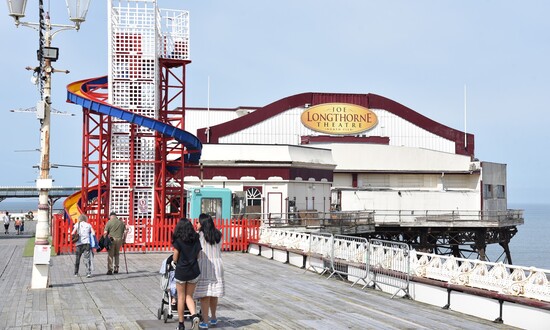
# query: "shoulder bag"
[[76, 236]]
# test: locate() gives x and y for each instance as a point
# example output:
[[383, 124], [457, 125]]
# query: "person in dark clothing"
[[115, 229], [186, 251]]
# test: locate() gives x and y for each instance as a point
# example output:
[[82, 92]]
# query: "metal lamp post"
[[46, 55]]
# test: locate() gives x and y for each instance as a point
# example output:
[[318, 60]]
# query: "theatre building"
[[343, 152], [326, 152]]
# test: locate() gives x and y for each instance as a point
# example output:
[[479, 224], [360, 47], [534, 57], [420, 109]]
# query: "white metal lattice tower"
[[139, 34]]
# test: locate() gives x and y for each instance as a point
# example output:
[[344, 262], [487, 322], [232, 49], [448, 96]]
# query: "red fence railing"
[[145, 236]]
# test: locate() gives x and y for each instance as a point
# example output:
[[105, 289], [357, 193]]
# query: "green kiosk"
[[209, 200]]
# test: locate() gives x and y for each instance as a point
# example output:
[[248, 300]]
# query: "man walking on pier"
[[6, 219], [116, 230]]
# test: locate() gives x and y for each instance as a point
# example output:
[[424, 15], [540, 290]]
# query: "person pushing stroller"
[[168, 287]]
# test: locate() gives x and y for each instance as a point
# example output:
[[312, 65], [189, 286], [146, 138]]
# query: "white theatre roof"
[[245, 154]]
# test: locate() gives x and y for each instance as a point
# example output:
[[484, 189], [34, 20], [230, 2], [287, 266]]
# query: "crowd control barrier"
[[389, 265], [320, 252], [349, 258]]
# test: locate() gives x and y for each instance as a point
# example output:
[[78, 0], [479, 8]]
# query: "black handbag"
[[104, 243]]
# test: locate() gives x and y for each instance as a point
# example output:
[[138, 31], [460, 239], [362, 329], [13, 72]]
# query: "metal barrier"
[[145, 236], [320, 252], [389, 265], [349, 258], [312, 218]]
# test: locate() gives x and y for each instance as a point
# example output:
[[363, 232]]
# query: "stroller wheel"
[[165, 315], [159, 313]]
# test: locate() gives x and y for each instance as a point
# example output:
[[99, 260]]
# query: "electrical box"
[[42, 254], [40, 110]]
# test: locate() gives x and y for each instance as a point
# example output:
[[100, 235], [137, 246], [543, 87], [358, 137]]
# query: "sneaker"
[[213, 321], [75, 274], [109, 272], [196, 319], [89, 275], [180, 326], [203, 325]]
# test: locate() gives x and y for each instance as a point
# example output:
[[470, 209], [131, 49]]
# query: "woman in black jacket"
[[186, 251]]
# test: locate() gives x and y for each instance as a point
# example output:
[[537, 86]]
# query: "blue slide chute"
[[77, 93]]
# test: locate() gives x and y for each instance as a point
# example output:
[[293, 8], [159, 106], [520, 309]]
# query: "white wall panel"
[[410, 200]]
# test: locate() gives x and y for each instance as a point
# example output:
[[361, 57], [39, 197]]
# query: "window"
[[253, 197], [500, 191], [212, 207], [487, 191]]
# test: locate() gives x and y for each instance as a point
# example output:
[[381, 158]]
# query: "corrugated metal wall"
[[286, 128]]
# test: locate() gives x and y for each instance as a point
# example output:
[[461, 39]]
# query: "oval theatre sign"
[[339, 118]]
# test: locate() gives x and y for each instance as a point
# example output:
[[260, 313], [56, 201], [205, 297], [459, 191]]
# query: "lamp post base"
[[41, 267]]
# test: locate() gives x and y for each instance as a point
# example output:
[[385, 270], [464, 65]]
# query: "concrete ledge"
[[297, 259], [254, 249], [280, 255], [266, 252]]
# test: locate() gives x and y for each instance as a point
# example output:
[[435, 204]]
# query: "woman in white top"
[[211, 285], [83, 244]]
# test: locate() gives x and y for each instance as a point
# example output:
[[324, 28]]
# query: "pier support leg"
[[507, 252], [481, 244]]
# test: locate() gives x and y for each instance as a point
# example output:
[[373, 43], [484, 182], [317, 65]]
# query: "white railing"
[[528, 282]]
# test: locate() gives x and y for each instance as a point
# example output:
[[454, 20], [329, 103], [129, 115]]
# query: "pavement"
[[120, 301], [260, 294]]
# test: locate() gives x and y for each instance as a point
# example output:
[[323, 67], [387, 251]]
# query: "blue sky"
[[418, 53]]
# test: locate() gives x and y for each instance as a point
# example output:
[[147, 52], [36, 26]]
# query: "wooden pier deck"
[[260, 294], [265, 294]]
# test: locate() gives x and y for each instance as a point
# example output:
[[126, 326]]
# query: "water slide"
[[82, 93], [71, 206]]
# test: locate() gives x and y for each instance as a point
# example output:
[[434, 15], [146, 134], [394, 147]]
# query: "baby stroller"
[[169, 294]]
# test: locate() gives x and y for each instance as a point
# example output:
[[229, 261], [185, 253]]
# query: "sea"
[[529, 247]]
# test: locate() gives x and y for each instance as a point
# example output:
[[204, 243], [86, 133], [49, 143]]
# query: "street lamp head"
[[77, 11], [17, 9]]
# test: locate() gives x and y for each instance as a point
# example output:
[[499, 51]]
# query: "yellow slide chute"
[[71, 206]]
